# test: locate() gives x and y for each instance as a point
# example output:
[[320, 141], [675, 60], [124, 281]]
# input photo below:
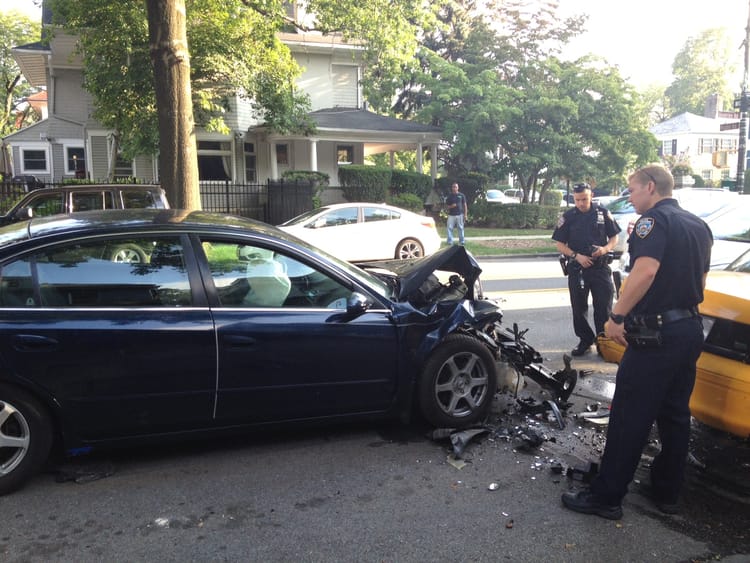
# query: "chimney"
[[713, 106]]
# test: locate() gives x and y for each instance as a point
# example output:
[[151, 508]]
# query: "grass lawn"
[[499, 247], [483, 232]]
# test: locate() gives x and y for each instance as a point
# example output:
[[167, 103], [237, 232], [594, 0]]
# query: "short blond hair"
[[658, 174]]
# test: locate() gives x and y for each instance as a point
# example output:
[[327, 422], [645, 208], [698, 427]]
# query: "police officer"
[[670, 253], [585, 235]]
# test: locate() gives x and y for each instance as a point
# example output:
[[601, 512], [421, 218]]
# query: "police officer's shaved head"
[[660, 176]]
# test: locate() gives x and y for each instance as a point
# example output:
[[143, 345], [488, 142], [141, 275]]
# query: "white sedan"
[[357, 232]]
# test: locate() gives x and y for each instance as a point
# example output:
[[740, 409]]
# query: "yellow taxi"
[[721, 398]]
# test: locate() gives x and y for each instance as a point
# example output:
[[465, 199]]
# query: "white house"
[[708, 143], [70, 142]]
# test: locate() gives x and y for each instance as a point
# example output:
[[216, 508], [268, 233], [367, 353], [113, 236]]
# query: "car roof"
[[86, 187], [126, 220], [360, 204]]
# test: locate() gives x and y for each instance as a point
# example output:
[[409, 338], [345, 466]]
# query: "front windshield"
[[621, 205], [734, 224], [363, 277], [304, 217], [742, 264]]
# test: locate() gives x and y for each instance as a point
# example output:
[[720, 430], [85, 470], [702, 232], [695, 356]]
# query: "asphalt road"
[[375, 492]]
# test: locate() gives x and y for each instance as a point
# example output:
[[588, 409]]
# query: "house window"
[[74, 160], [34, 160], [706, 174], [666, 147], [345, 80], [345, 154], [282, 155], [725, 173], [214, 160], [706, 145], [728, 144], [251, 172], [123, 168]]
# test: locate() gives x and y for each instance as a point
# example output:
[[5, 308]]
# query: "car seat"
[[269, 282]]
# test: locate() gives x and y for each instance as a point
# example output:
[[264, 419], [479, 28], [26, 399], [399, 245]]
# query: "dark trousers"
[[653, 385], [597, 280]]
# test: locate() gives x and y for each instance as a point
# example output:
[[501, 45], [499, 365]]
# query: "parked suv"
[[87, 197]]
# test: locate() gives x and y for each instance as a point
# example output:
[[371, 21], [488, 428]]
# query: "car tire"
[[25, 438], [458, 383], [127, 253], [409, 249]]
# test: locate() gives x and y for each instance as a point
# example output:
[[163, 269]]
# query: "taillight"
[[429, 223]]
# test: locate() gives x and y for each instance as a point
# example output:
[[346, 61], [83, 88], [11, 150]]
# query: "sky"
[[641, 37]]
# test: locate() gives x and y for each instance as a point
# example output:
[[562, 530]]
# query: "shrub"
[[318, 179], [403, 182], [552, 198], [514, 216], [364, 183], [412, 202]]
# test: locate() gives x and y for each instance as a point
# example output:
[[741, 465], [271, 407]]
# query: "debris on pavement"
[[84, 473]]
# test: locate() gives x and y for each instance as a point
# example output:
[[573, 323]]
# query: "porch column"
[[433, 162], [419, 157], [314, 155], [274, 165]]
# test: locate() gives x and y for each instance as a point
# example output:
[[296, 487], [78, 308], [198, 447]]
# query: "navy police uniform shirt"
[[681, 243], [581, 231]]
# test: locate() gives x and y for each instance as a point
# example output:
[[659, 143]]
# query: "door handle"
[[239, 340], [33, 343]]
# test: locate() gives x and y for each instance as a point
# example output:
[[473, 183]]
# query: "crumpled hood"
[[413, 273]]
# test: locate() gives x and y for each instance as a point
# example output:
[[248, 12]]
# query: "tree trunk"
[[178, 158]]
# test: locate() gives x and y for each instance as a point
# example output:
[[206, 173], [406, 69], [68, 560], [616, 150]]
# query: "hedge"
[[364, 183], [514, 216], [403, 182]]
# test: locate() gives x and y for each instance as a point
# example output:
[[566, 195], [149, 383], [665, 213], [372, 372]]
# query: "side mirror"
[[356, 305], [24, 214]]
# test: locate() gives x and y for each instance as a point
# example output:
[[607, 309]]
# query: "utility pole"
[[742, 147]]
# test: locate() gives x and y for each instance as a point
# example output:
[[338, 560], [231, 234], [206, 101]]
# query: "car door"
[[289, 353], [123, 348]]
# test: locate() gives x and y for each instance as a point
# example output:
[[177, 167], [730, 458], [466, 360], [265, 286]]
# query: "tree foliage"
[[15, 29], [702, 68], [507, 104], [234, 51]]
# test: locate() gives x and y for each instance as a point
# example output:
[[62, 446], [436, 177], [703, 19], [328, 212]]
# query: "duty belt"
[[660, 319]]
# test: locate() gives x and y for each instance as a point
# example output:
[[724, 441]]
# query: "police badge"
[[644, 226]]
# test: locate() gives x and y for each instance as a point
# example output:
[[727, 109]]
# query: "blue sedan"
[[224, 323]]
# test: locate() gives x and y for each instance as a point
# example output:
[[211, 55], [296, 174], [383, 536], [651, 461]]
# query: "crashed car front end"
[[434, 315]]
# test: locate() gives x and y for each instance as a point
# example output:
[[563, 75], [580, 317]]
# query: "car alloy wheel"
[[458, 382], [408, 249], [25, 438]]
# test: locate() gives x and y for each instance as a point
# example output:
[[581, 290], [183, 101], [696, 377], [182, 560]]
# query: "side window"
[[113, 273], [335, 218], [250, 276], [90, 201], [16, 286], [132, 199], [48, 204], [372, 214]]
